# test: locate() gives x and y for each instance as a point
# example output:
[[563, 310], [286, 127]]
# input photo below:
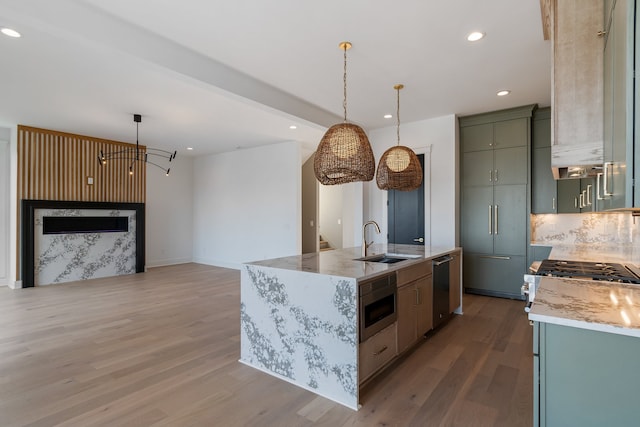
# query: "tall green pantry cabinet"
[[495, 200]]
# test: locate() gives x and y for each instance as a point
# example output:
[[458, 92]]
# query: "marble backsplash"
[[594, 228], [79, 256], [593, 236]]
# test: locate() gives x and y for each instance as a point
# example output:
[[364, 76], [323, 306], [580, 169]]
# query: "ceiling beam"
[[545, 12], [83, 23]]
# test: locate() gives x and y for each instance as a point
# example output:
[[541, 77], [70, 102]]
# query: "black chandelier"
[[132, 155]]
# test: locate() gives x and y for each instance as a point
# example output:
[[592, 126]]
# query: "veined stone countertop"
[[588, 304], [342, 262]]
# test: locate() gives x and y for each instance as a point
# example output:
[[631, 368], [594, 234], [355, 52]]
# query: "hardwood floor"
[[161, 349]]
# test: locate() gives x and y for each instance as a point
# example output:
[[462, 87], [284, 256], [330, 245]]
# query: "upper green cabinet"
[[616, 188], [547, 194], [489, 151], [544, 194], [490, 136]]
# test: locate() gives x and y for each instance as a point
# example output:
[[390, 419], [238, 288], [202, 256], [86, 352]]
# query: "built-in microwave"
[[378, 305]]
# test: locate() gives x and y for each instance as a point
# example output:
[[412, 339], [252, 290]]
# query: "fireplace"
[[70, 240]]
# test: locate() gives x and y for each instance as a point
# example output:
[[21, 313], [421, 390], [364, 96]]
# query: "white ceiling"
[[218, 75]]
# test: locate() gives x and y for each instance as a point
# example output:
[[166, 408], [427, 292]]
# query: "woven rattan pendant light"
[[344, 153], [399, 167]]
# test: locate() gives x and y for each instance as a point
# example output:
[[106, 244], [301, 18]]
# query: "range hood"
[[577, 172], [577, 160]]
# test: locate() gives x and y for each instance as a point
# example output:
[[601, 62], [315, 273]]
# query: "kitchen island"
[[586, 347], [299, 315]]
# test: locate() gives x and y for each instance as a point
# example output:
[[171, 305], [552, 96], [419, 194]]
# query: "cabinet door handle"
[[553, 203], [496, 175], [506, 258], [417, 296], [382, 350], [490, 221], [605, 183], [442, 261], [495, 219], [581, 195], [490, 175], [589, 187], [598, 177], [575, 202]]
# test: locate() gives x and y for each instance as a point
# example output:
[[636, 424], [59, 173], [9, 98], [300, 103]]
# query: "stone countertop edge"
[[598, 306], [345, 263]]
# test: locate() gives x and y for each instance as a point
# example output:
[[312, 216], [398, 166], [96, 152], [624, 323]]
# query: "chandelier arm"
[[162, 156], [150, 150], [120, 157], [113, 153], [156, 165], [135, 154]]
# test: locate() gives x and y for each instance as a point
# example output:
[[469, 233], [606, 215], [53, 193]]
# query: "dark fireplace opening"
[[84, 224]]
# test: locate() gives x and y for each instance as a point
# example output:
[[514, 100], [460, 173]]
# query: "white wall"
[[169, 214], [246, 205], [330, 215], [352, 214], [437, 139], [5, 177], [9, 205]]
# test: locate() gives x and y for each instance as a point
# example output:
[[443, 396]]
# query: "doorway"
[[405, 213]]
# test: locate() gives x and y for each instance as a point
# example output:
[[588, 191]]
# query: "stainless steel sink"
[[388, 258]]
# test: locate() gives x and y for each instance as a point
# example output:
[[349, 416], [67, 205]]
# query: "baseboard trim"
[[166, 262], [223, 264], [17, 284], [493, 293]]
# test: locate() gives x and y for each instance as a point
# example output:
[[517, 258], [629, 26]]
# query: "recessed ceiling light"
[[475, 36], [387, 116], [293, 127], [9, 32], [503, 93], [189, 148]]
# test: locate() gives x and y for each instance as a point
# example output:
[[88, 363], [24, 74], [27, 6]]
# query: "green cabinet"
[[544, 190], [495, 200], [576, 195], [617, 179], [547, 194], [494, 275], [584, 377]]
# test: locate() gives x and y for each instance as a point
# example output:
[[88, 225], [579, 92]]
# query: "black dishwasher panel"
[[441, 290]]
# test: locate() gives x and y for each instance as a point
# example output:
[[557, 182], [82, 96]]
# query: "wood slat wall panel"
[[55, 166]]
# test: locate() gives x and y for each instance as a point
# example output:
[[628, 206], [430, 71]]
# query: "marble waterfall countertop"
[[299, 316], [588, 304], [344, 263]]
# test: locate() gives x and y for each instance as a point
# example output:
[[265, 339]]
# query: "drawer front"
[[377, 351], [494, 275], [411, 273]]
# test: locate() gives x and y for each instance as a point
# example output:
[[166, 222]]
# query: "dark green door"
[[405, 210]]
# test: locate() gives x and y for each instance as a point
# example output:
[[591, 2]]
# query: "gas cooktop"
[[588, 270]]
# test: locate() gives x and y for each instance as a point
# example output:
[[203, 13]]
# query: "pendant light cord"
[[344, 81], [137, 144], [398, 115]]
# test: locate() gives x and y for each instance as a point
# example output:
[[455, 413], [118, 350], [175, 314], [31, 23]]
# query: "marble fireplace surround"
[[31, 227]]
